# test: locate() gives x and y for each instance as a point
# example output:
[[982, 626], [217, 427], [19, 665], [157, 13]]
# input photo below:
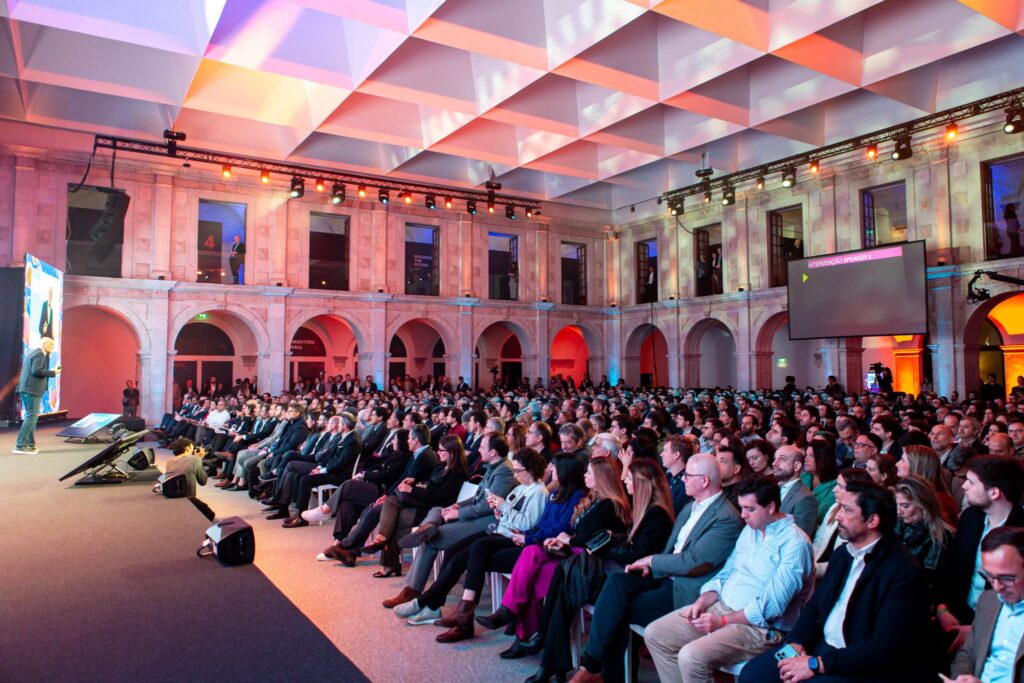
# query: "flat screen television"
[[864, 293]]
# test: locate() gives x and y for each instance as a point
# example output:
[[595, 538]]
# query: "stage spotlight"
[[872, 151], [430, 201], [728, 196], [338, 193], [298, 188], [529, 212], [1014, 121], [952, 130], [490, 207], [361, 191], [510, 212], [471, 207], [225, 170], [447, 202], [789, 177], [813, 166], [759, 183], [319, 185], [407, 198], [383, 196], [675, 207], [903, 150], [265, 176]]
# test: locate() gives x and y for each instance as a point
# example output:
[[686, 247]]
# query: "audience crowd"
[[815, 534]]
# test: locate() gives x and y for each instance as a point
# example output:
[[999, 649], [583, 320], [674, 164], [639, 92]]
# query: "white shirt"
[[833, 630], [784, 489], [695, 514], [216, 419]]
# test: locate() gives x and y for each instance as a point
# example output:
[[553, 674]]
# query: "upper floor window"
[[574, 273], [1002, 203], [884, 214], [95, 231], [647, 271], [786, 242], [221, 242], [707, 269], [502, 266], [328, 251], [422, 260]]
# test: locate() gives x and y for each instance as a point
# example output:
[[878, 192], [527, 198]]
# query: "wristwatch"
[[812, 664]]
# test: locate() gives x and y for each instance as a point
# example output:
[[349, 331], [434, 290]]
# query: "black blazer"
[[597, 518], [373, 437], [341, 459], [421, 468], [291, 437], [442, 489], [650, 537], [887, 616], [956, 568]]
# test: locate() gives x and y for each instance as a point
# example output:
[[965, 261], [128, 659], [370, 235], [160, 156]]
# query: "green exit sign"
[[202, 316]]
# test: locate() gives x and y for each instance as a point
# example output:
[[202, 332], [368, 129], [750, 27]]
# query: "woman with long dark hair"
[[820, 474]]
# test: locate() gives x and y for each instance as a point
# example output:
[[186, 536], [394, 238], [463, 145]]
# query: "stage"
[[101, 583]]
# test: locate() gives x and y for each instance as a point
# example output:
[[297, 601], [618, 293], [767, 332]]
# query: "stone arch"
[[342, 341], [419, 361], [646, 355], [522, 333], [300, 318], [106, 350], [720, 369], [570, 352], [441, 326], [764, 350], [248, 319], [998, 311], [492, 349], [247, 334]]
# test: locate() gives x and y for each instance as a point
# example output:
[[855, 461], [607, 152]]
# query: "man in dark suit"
[[34, 380], [335, 466], [995, 649], [237, 258], [868, 617], [797, 500], [46, 316], [701, 541], [373, 436]]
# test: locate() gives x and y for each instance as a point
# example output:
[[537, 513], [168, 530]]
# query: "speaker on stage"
[[231, 541], [142, 460], [110, 226], [172, 485], [133, 424]]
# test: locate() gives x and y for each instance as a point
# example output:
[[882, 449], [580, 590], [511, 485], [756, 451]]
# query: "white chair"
[[497, 582], [468, 490], [631, 662], [323, 491], [576, 632]]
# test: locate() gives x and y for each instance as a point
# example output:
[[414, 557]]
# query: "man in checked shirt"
[[749, 605]]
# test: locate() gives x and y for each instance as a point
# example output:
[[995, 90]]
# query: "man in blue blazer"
[[35, 376]]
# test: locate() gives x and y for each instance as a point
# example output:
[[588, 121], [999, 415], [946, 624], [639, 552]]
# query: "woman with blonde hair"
[[605, 508], [921, 526], [924, 462]]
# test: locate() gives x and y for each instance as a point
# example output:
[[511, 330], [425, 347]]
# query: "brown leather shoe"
[[294, 522], [584, 676], [456, 634], [406, 595], [343, 555], [460, 616]]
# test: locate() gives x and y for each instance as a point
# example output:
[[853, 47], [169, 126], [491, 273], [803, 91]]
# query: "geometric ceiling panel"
[[598, 103]]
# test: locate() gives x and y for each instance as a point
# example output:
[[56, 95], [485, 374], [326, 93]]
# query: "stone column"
[[543, 334], [161, 245], [907, 370]]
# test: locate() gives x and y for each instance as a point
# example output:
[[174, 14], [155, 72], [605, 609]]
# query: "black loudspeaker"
[[172, 485], [142, 460], [110, 226], [132, 424], [231, 541]]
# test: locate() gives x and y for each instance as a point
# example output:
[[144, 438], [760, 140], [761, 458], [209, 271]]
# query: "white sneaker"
[[24, 451], [323, 558], [425, 616], [315, 515], [407, 609]]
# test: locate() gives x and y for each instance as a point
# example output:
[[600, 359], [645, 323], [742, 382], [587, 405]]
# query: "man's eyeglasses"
[[1004, 579], [517, 470], [688, 474]]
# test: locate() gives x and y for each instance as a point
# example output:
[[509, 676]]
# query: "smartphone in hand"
[[787, 651]]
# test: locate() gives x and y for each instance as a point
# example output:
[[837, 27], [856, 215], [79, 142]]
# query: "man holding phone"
[[869, 613], [35, 376]]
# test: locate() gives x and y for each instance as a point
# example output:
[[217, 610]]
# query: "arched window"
[[203, 339]]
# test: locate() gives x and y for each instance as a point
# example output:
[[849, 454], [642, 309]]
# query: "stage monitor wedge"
[[103, 467], [89, 426]]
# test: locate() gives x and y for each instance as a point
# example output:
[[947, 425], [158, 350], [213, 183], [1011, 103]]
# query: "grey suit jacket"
[[35, 373], [971, 657], [802, 504], [500, 479], [707, 548]]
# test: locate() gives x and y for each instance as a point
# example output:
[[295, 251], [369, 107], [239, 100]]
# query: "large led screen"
[[43, 317]]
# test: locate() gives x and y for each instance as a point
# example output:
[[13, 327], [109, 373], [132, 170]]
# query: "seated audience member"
[[887, 428], [866, 619], [605, 509], [992, 488], [649, 529], [924, 462], [334, 465], [797, 500], [411, 500], [516, 514], [423, 463], [820, 474], [882, 469], [826, 538], [992, 653], [291, 436], [921, 525], [732, 467], [703, 536], [866, 445], [847, 431], [605, 446], [674, 454], [294, 464], [637, 448], [750, 604], [189, 462], [759, 454]]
